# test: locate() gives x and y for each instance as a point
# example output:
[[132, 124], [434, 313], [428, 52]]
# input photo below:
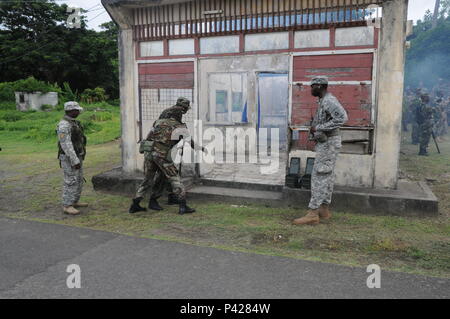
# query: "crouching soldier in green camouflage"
[[167, 131], [71, 154], [330, 116]]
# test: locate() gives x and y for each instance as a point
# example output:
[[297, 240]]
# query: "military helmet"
[[184, 102], [72, 105]]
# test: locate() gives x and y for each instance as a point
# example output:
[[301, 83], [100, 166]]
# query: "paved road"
[[34, 257]]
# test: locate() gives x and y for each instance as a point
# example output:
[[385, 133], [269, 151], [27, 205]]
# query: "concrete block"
[[216, 45], [312, 39], [181, 47], [151, 48], [354, 36], [267, 41]]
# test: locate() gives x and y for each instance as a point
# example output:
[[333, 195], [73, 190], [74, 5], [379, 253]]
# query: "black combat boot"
[[172, 199], [135, 207], [184, 209], [423, 152], [153, 204]]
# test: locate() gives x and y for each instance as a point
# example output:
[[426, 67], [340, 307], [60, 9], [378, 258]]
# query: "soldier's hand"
[[78, 166], [312, 130], [204, 150]]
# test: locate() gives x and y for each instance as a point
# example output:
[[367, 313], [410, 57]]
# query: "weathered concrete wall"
[[312, 39], [351, 169], [34, 101], [390, 93], [354, 36]]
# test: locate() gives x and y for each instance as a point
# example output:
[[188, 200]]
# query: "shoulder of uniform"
[[331, 100], [63, 125]]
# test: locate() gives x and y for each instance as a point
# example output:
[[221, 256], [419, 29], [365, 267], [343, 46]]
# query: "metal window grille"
[[217, 17], [154, 101]]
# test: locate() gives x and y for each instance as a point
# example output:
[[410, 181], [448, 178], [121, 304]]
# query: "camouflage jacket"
[[414, 105], [424, 113], [330, 115], [71, 140], [165, 134]]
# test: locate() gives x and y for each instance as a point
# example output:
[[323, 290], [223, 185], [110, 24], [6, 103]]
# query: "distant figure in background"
[[71, 154], [424, 118], [441, 124], [406, 114], [325, 131], [414, 109]]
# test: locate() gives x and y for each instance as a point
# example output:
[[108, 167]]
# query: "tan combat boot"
[[311, 218], [324, 211], [70, 210], [76, 205]]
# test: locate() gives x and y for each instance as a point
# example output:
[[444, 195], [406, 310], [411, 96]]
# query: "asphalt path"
[[34, 258]]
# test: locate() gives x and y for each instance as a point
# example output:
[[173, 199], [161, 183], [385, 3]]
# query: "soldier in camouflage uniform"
[[441, 124], [424, 118], [330, 116], [71, 154], [158, 164], [414, 106]]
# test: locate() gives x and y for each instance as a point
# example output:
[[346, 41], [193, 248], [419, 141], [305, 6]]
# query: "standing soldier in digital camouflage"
[[330, 116], [158, 163], [71, 154], [424, 117]]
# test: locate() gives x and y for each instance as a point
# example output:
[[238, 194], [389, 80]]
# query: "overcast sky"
[[98, 14]]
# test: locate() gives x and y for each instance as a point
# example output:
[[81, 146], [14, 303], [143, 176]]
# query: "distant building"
[[248, 64], [26, 101]]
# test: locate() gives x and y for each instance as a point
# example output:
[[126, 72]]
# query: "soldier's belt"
[[332, 133]]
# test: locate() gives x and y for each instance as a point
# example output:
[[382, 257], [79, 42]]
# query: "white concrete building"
[[247, 65]]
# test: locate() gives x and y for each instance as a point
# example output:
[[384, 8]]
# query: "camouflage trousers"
[[425, 130], [73, 182], [158, 171], [415, 133], [322, 177]]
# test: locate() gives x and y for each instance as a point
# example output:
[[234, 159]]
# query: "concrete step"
[[241, 185], [235, 195], [410, 198]]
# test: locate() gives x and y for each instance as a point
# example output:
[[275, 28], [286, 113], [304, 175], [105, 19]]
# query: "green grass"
[[36, 130], [410, 244]]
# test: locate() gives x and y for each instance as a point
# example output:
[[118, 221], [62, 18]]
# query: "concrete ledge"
[[409, 199], [117, 182]]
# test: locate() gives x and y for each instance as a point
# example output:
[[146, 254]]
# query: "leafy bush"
[[95, 95], [7, 92], [31, 85], [46, 107], [68, 94], [115, 102]]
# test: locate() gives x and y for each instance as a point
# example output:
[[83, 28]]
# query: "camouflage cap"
[[72, 105], [182, 101], [322, 80]]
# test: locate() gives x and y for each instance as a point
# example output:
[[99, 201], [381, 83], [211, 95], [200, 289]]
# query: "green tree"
[[428, 60], [35, 41]]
